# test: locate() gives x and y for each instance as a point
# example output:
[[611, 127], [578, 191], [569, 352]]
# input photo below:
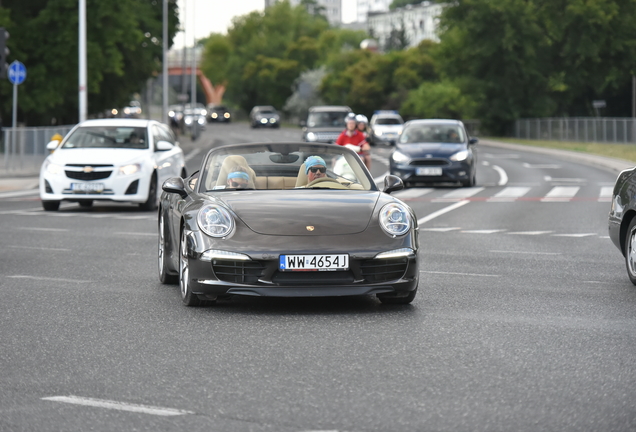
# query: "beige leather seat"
[[301, 180], [229, 163]]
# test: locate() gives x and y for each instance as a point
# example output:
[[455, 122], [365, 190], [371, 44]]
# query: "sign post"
[[16, 74]]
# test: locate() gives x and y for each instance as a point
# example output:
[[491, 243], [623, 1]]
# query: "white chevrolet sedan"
[[123, 160]]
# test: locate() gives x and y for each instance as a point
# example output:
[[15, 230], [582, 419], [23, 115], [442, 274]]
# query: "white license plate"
[[430, 171], [87, 187], [313, 262]]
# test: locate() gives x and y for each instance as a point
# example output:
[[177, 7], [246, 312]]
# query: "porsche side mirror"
[[175, 185], [473, 141], [392, 183]]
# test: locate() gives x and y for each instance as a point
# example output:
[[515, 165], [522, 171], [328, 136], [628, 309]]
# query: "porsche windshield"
[[284, 166], [432, 133], [107, 137]]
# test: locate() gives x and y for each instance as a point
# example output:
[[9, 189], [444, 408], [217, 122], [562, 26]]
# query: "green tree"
[[124, 49]]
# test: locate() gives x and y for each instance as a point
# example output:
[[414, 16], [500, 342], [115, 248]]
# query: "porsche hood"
[[304, 212]]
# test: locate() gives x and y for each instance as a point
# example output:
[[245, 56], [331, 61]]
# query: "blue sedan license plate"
[[432, 171], [314, 262]]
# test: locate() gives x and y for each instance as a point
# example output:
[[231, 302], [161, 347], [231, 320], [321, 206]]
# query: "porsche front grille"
[[243, 272], [383, 270]]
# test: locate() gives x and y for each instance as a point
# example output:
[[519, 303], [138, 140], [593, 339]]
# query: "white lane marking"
[[560, 194], [192, 154], [510, 193], [15, 194], [48, 279], [501, 156], [529, 232], [485, 231], [441, 212], [541, 166], [575, 235], [380, 179], [41, 248], [564, 180], [485, 163], [522, 252], [42, 229], [440, 229], [131, 217], [503, 177], [412, 193], [606, 194], [136, 233], [458, 194], [459, 274], [121, 406]]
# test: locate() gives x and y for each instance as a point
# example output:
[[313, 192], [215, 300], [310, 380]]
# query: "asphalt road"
[[525, 320]]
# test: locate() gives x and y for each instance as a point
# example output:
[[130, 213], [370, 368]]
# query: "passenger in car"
[[315, 168], [238, 178]]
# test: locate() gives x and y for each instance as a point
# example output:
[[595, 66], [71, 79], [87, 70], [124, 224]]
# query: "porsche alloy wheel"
[[187, 297], [630, 251], [164, 276]]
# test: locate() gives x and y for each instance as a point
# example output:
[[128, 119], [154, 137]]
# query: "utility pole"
[[83, 104], [164, 72]]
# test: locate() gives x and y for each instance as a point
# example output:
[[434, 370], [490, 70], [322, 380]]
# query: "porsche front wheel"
[[164, 276], [630, 251]]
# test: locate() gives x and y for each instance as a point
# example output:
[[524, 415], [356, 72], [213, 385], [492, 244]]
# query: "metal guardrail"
[[578, 129], [24, 149]]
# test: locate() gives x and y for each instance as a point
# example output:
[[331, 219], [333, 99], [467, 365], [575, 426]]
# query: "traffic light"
[[4, 52]]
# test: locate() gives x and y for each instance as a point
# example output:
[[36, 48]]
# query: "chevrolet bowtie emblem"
[[88, 169], [310, 228]]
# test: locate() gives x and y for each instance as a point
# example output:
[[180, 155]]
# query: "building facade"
[[366, 6], [332, 9], [419, 21]]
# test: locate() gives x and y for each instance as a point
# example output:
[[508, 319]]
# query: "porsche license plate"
[[314, 262], [429, 171], [87, 187]]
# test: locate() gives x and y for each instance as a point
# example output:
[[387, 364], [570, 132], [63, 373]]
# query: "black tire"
[[151, 202], [469, 183], [184, 173], [50, 205], [187, 297], [164, 276], [385, 299], [86, 203], [630, 251]]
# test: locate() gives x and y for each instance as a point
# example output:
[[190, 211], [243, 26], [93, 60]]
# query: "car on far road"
[[218, 114], [434, 151], [385, 127], [286, 220], [193, 115], [133, 110], [324, 123], [123, 160], [622, 219], [264, 116]]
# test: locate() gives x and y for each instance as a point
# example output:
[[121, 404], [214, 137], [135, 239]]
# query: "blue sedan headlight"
[[399, 157], [460, 156], [215, 221], [395, 219]]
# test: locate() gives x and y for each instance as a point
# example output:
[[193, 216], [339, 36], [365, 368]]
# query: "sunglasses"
[[237, 184], [318, 169]]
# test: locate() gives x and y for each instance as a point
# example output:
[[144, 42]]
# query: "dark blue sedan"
[[434, 151]]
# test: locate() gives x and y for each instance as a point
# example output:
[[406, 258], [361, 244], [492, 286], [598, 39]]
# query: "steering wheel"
[[327, 183]]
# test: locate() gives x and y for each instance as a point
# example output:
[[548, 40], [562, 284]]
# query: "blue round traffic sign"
[[16, 73]]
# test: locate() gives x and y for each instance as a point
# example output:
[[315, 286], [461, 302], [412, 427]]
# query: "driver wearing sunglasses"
[[238, 178], [315, 168]]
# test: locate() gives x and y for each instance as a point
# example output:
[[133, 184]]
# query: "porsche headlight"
[[459, 156], [215, 221], [311, 136], [130, 169], [399, 157], [53, 168], [395, 219]]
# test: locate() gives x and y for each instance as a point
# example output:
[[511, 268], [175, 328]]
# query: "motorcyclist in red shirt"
[[354, 139]]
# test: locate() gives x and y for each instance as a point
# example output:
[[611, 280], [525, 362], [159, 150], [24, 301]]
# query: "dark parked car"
[[264, 116], [622, 220], [218, 113], [324, 123], [283, 235], [434, 151]]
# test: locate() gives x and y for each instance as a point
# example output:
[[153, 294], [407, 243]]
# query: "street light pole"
[[83, 104], [164, 72]]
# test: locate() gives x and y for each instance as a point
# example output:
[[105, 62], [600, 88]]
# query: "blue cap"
[[238, 174], [313, 160]]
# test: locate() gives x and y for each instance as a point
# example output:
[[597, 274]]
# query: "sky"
[[215, 16]]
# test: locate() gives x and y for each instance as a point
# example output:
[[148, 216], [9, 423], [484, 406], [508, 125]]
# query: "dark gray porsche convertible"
[[286, 220]]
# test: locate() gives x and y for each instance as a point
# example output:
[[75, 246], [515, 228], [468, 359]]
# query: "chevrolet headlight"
[[311, 136], [130, 169], [395, 219], [399, 157], [215, 221], [53, 168], [378, 133], [459, 156]]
